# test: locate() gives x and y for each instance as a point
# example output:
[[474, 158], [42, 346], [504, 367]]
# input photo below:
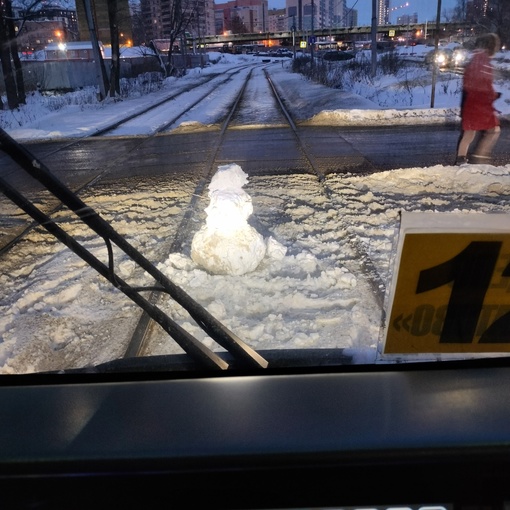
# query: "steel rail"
[[224, 79], [190, 344], [366, 265], [141, 334]]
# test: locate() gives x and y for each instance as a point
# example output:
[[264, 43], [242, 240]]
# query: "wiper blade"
[[278, 359], [215, 329]]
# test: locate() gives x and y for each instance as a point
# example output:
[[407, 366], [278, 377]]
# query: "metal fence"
[[68, 75]]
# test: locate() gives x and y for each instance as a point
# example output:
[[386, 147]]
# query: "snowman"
[[227, 244]]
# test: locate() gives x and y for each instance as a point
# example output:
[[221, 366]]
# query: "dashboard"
[[422, 436]]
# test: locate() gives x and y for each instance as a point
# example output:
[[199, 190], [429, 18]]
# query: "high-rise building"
[[301, 11], [406, 19], [294, 10], [57, 13], [249, 16], [334, 13], [36, 35], [383, 12], [342, 15], [350, 18], [99, 10], [278, 20], [49, 24]]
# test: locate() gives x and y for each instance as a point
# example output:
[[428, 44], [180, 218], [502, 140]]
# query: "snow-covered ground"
[[309, 291], [403, 97]]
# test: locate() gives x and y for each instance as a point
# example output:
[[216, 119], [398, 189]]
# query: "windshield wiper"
[[170, 365], [215, 329]]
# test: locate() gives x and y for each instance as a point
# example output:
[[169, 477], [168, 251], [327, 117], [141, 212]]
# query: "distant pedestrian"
[[477, 112]]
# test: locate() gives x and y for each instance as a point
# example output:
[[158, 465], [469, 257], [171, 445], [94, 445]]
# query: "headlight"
[[460, 57]]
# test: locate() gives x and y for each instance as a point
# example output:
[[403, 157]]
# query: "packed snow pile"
[[227, 244], [387, 117]]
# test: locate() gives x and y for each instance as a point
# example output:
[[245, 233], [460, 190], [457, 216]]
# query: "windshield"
[[252, 191]]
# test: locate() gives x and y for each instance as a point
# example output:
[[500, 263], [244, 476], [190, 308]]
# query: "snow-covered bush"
[[39, 104], [143, 84], [397, 81]]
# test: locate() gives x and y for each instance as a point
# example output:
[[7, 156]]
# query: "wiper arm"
[[215, 329]]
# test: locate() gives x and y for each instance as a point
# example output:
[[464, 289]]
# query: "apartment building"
[[326, 13], [250, 16]]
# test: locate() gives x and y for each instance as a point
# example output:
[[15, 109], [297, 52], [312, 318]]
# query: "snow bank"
[[385, 117]]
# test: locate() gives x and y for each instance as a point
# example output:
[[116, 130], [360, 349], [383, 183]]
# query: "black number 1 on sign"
[[470, 272]]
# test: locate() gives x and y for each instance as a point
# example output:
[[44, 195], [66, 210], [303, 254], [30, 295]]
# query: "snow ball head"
[[228, 177]]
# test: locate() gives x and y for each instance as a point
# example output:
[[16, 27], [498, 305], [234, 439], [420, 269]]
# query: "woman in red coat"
[[477, 110]]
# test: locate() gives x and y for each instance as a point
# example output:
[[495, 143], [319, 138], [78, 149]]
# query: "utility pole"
[[374, 37], [312, 37], [436, 46], [100, 70]]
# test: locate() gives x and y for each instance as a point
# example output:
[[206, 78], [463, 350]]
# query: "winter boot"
[[461, 160]]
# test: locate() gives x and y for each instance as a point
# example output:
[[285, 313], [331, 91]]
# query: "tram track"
[[217, 81], [144, 326], [141, 337]]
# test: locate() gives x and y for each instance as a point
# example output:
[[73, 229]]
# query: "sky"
[[308, 288], [426, 9]]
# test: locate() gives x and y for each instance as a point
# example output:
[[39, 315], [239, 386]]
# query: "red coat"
[[478, 94]]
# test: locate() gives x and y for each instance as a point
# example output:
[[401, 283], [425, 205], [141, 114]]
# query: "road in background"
[[257, 151]]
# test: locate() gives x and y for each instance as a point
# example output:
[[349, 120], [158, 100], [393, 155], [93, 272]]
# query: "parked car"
[[283, 52], [337, 55]]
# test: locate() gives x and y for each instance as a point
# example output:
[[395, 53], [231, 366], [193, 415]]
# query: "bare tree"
[[139, 33], [179, 16], [237, 25], [10, 28], [494, 16], [9, 57], [459, 11], [110, 85], [498, 16], [182, 12]]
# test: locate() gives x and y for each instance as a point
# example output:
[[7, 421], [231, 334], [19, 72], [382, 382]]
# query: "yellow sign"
[[452, 293], [391, 33], [302, 44]]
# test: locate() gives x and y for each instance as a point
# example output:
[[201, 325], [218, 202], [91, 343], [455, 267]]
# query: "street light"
[[293, 30]]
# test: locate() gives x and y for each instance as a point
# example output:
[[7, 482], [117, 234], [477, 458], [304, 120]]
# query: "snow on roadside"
[[387, 117]]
